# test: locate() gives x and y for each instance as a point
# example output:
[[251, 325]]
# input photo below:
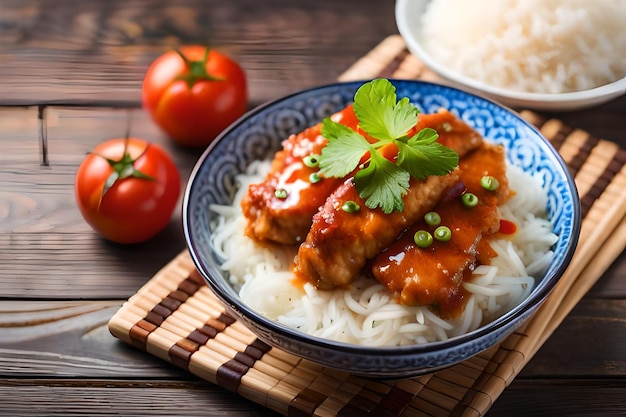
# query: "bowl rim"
[[534, 299], [572, 99]]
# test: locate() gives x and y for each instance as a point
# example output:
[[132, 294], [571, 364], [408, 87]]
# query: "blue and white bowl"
[[258, 134]]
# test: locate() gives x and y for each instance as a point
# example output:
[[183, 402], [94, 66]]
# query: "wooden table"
[[70, 74]]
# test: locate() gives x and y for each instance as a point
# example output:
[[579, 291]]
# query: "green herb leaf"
[[381, 182], [421, 156], [378, 113], [344, 149]]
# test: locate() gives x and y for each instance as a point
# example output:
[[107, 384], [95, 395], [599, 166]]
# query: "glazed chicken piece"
[[433, 275], [339, 243], [287, 218]]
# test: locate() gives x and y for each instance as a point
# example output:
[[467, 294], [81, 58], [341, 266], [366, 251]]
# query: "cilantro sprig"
[[379, 181]]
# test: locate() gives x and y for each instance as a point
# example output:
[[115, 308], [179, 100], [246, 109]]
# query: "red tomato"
[[193, 95], [139, 203]]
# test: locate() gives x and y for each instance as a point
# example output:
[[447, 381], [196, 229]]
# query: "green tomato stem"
[[197, 70], [123, 168]]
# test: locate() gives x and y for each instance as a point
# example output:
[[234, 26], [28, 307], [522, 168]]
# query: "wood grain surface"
[[70, 77]]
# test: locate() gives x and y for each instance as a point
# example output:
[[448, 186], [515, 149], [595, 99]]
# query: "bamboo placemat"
[[177, 318]]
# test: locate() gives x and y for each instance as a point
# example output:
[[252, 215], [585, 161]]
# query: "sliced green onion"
[[432, 218], [423, 239], [280, 193], [312, 160], [443, 233], [469, 199], [350, 207], [314, 177], [489, 183]]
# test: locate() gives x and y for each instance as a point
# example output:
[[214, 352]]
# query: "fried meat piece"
[[433, 275], [339, 243], [281, 208]]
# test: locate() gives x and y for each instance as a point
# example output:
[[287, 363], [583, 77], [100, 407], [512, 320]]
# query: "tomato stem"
[[123, 168], [197, 70]]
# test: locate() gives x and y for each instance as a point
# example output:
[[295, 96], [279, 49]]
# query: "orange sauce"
[[433, 276], [507, 227], [298, 279]]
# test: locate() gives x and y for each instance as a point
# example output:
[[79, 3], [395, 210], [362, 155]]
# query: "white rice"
[[365, 313], [540, 46]]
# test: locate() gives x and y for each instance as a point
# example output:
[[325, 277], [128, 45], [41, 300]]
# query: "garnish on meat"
[[340, 243], [383, 179]]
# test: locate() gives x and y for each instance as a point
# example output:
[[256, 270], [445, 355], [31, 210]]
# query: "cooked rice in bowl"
[[365, 313], [532, 46]]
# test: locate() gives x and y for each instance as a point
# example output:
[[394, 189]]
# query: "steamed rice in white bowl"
[[552, 55]]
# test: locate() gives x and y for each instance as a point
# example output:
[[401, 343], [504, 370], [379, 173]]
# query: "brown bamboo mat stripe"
[[139, 333], [386, 58], [393, 403], [557, 130], [155, 317], [230, 374], [602, 182], [180, 353], [376, 399], [306, 402], [176, 317], [393, 67]]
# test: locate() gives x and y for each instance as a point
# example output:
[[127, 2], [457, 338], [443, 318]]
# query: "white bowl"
[[408, 14]]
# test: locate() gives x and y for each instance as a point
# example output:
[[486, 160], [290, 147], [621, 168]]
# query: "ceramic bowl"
[[408, 14], [259, 133]]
